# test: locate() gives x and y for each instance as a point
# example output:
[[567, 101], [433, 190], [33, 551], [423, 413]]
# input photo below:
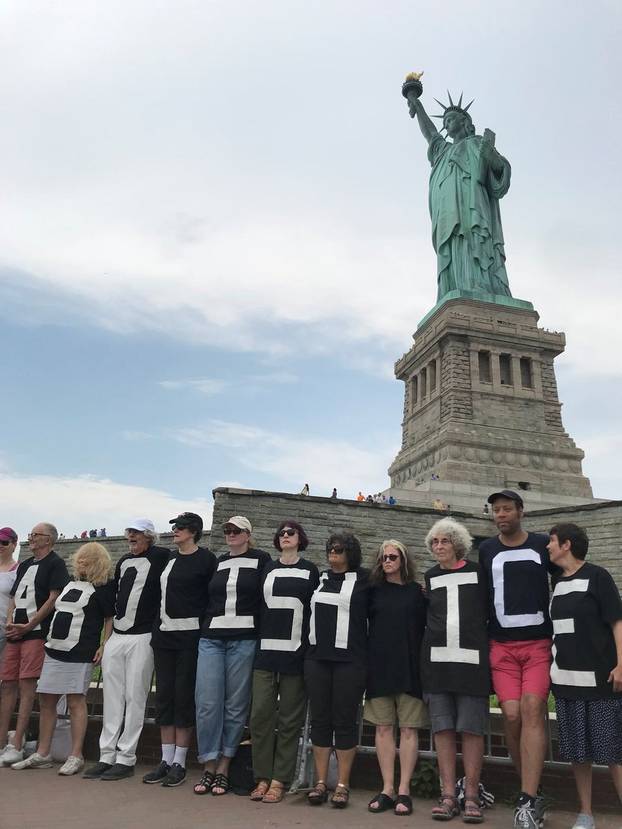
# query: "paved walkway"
[[40, 798]]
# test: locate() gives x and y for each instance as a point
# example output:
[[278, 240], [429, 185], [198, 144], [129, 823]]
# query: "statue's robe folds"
[[466, 221]]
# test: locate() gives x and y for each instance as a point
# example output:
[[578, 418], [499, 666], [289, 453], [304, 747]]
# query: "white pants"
[[127, 669]]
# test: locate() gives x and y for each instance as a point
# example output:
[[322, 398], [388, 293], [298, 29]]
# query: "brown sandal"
[[341, 796], [260, 789], [472, 811], [318, 794], [446, 809], [275, 793]]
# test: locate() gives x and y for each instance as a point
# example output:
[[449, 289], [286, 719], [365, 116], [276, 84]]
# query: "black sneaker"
[[96, 771], [158, 774], [118, 772], [176, 776]]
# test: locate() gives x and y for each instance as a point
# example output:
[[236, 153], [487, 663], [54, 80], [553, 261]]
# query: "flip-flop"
[[403, 800], [384, 803]]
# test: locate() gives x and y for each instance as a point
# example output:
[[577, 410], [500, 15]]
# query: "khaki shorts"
[[409, 712]]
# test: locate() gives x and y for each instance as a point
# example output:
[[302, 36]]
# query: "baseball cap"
[[506, 493], [188, 520], [8, 534], [240, 521], [141, 524]]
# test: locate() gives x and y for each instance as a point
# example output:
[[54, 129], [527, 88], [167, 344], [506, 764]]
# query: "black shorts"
[[176, 672]]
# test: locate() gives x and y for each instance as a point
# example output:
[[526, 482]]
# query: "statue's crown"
[[451, 107]]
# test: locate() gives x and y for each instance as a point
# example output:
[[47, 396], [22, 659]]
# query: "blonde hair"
[[95, 563], [458, 534], [407, 565]]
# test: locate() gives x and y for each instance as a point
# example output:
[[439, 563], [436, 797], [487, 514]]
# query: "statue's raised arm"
[[467, 180]]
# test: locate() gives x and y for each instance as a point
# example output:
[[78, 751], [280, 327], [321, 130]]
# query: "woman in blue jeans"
[[226, 654]]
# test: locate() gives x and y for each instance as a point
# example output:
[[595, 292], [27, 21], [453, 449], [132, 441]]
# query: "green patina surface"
[[508, 301]]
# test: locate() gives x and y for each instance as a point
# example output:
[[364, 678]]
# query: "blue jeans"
[[222, 695]]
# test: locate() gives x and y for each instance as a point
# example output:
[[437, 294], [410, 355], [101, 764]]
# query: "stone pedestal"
[[481, 411]]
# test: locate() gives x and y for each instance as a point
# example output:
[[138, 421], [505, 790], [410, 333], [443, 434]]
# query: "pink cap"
[[8, 534]]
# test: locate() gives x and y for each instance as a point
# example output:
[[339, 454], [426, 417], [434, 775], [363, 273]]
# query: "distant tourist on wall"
[[38, 583], [8, 572], [334, 492], [84, 534], [391, 501], [102, 533], [92, 533], [438, 505], [370, 499], [360, 497], [305, 490], [586, 673], [486, 510]]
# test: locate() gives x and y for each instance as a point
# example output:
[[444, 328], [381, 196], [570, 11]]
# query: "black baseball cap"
[[188, 521], [506, 493]]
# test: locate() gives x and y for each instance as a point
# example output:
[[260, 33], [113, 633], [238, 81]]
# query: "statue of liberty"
[[467, 180]]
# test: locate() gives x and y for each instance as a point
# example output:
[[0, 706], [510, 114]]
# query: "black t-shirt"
[[455, 646], [34, 581], [183, 590], [137, 584], [75, 631], [234, 596], [284, 616], [338, 624], [396, 625], [583, 608], [518, 588]]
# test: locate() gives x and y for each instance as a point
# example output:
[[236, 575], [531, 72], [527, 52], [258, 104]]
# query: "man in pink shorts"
[[517, 566], [38, 583]]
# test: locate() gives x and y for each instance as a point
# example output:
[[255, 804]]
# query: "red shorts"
[[22, 660], [519, 668]]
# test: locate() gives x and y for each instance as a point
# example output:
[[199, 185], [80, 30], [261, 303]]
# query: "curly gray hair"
[[457, 533]]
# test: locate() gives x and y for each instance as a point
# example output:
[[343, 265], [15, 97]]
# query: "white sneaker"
[[72, 765], [35, 761], [11, 755], [584, 821]]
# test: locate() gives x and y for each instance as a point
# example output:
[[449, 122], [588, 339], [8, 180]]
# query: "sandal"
[[341, 796], [403, 800], [382, 803], [260, 789], [472, 811], [205, 783], [446, 809], [221, 781], [275, 793], [318, 794]]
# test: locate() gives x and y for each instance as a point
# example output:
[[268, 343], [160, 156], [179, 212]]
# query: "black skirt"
[[590, 730]]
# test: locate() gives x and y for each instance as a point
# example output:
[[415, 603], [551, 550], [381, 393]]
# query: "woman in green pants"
[[279, 696]]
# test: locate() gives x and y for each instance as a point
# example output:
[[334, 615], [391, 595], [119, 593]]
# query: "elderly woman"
[[8, 572], [397, 613], [586, 673], [226, 654], [454, 668], [71, 651], [336, 663], [279, 697]]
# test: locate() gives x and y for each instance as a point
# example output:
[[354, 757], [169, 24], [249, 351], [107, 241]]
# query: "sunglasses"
[[233, 531], [6, 543], [338, 550], [390, 557], [287, 532]]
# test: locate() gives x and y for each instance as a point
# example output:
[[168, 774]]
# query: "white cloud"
[[204, 385], [295, 460], [74, 504]]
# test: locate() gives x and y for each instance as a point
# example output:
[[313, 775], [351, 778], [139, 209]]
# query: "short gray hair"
[[457, 533], [152, 536], [51, 531]]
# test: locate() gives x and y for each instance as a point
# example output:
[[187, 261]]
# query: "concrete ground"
[[40, 798]]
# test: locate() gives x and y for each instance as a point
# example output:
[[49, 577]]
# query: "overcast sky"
[[214, 239]]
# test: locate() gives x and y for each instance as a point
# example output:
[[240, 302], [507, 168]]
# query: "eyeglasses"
[[45, 535], [287, 532], [338, 550], [232, 530], [6, 543], [390, 557]]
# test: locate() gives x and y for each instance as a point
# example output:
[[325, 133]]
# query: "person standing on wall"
[[516, 564]]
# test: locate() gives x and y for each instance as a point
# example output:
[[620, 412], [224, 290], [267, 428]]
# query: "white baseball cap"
[[240, 521], [142, 525]]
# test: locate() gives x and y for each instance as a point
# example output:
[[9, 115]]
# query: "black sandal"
[[403, 800], [383, 801], [318, 794], [221, 781], [205, 783]]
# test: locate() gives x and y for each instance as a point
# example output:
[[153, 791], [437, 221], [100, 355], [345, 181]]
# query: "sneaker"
[[176, 776], [72, 765], [158, 774], [96, 771], [11, 755], [118, 772], [584, 821], [35, 761], [526, 817], [540, 806]]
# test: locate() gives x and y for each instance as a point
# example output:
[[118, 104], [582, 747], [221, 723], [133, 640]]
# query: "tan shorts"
[[409, 712]]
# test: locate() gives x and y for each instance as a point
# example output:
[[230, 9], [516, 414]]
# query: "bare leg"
[[321, 756], [532, 742], [47, 721], [472, 757], [26, 701], [583, 779], [385, 750], [512, 728], [79, 719], [182, 737], [167, 735], [345, 759], [222, 768], [616, 776], [8, 700], [409, 747], [445, 744]]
